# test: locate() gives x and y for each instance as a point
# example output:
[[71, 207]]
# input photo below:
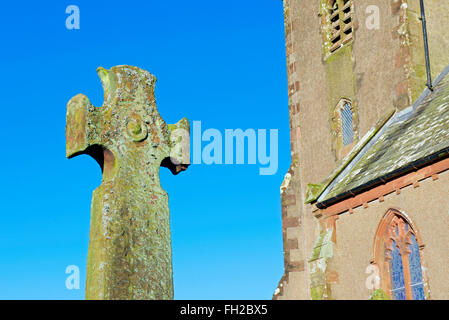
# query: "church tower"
[[352, 65]]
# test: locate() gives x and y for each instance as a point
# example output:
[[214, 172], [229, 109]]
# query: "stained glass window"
[[404, 260], [347, 124], [397, 274], [416, 281]]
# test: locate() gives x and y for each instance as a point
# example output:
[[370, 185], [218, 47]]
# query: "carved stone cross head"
[[130, 248]]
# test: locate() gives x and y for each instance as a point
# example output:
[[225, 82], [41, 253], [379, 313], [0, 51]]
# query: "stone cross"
[[130, 247]]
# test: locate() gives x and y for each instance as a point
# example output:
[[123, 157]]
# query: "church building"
[[365, 203]]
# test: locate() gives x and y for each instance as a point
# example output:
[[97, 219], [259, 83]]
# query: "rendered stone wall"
[[437, 16]]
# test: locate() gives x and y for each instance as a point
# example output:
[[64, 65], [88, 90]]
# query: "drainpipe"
[[426, 46]]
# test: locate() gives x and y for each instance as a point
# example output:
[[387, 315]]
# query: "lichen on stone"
[[379, 294], [130, 247], [322, 252]]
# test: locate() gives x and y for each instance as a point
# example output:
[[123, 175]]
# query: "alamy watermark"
[[373, 280], [73, 20], [73, 280], [373, 20], [211, 147]]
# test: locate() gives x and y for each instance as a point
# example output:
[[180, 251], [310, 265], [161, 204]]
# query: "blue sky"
[[221, 63]]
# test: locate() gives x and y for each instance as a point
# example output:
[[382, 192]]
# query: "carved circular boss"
[[136, 128]]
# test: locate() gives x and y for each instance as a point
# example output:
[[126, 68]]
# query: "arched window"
[[398, 257], [343, 124], [347, 123]]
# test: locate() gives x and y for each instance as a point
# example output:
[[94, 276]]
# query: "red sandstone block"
[[292, 244], [290, 222], [284, 211], [296, 266], [394, 33], [401, 88], [331, 277], [398, 61], [401, 57], [291, 89], [395, 7], [298, 133], [291, 199]]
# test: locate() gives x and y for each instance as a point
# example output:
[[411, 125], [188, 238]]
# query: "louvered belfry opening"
[[340, 14]]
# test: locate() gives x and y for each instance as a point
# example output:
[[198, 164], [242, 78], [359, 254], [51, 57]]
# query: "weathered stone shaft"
[[130, 247]]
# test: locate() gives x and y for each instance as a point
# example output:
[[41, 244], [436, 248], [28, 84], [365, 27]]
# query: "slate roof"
[[408, 139]]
